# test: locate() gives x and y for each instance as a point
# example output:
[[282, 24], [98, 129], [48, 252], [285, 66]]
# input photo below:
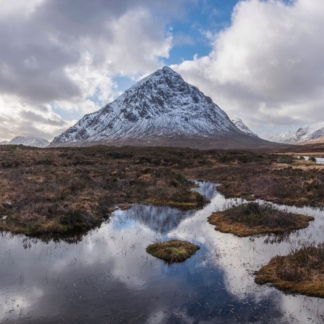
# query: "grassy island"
[[302, 271], [253, 218], [172, 251]]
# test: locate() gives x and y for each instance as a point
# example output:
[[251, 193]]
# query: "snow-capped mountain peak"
[[27, 141], [160, 107], [303, 134]]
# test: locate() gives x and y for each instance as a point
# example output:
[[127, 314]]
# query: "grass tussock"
[[253, 218], [172, 251], [302, 271]]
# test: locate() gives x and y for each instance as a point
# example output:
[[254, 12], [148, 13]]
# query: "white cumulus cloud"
[[267, 67]]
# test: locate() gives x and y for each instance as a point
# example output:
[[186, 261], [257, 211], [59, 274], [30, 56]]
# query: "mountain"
[[303, 134], [4, 142], [28, 141], [242, 127], [161, 109]]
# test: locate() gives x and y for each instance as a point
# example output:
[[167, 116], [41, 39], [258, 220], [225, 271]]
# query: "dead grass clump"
[[302, 271], [172, 251], [253, 218]]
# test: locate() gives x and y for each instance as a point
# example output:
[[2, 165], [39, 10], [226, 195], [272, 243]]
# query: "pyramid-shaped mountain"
[[161, 109]]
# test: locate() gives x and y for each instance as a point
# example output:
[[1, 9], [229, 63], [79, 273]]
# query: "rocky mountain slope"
[[161, 109], [303, 134], [27, 141], [242, 127]]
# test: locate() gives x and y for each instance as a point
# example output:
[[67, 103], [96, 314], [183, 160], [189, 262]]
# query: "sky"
[[259, 60]]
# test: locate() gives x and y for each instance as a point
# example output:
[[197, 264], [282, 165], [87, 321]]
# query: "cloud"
[[267, 66], [64, 55], [21, 118]]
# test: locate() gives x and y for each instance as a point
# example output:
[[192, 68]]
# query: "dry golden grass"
[[172, 251], [124, 206], [302, 271], [253, 219]]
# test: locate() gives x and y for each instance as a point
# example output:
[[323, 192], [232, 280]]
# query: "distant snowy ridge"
[[27, 141], [242, 127], [303, 134], [160, 109]]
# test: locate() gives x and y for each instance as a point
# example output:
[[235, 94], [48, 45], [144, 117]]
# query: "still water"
[[318, 159], [107, 277]]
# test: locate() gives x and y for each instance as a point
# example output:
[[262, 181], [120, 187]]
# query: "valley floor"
[[63, 190]]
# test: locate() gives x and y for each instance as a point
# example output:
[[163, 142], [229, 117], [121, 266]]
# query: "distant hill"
[[27, 141]]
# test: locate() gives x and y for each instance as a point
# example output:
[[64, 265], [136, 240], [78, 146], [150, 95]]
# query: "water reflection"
[[160, 219], [318, 159], [109, 278]]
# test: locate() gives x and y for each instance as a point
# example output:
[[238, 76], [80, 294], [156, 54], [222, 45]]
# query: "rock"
[[7, 204]]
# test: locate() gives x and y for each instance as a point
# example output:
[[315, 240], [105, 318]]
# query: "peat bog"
[[64, 190], [92, 280], [112, 202]]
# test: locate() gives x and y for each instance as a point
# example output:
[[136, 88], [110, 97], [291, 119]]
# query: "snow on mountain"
[[303, 134], [160, 107], [29, 141], [242, 127]]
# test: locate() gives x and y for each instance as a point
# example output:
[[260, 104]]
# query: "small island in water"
[[172, 251], [301, 271], [253, 218]]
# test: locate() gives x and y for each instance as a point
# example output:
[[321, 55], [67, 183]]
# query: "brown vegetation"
[[74, 189], [252, 218], [266, 179], [302, 271], [61, 190], [172, 251]]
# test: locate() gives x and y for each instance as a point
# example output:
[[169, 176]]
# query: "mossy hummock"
[[253, 219], [302, 271], [172, 251]]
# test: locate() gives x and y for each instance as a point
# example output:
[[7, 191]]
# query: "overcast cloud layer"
[[60, 57]]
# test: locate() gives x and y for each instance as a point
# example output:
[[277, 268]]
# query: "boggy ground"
[[55, 191], [61, 190], [300, 183], [253, 218], [302, 271]]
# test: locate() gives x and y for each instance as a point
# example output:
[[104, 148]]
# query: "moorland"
[[56, 193], [63, 190]]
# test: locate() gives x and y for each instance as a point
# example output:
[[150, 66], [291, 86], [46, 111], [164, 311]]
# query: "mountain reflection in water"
[[109, 278]]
